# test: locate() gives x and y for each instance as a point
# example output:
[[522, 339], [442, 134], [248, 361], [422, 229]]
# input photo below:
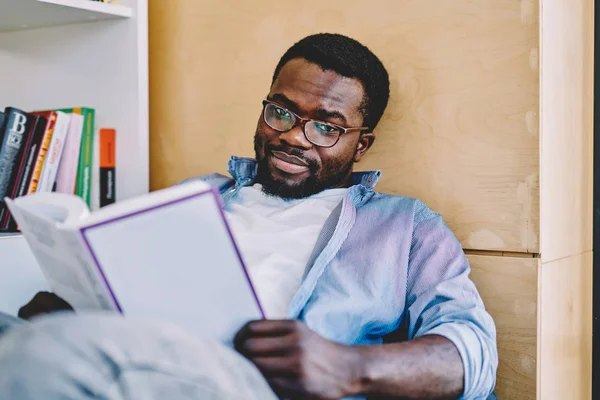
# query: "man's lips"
[[288, 163]]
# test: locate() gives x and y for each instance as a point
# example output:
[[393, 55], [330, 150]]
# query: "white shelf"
[[8, 235], [58, 60], [29, 14]]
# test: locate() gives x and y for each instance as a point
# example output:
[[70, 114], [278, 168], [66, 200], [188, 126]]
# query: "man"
[[343, 273]]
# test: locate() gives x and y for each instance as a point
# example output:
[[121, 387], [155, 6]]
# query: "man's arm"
[[298, 363], [451, 351], [442, 300], [428, 367]]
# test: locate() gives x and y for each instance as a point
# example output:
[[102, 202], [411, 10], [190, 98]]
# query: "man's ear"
[[364, 144]]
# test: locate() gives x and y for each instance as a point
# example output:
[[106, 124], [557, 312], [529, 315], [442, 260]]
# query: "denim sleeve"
[[221, 182], [442, 300]]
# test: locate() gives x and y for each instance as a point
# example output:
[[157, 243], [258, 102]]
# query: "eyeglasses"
[[319, 133]]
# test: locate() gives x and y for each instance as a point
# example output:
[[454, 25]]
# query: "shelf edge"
[[87, 5]]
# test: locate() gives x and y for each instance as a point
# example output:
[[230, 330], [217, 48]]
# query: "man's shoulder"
[[419, 210]]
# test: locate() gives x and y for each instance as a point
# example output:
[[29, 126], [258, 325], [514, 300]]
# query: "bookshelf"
[[70, 53], [32, 14]]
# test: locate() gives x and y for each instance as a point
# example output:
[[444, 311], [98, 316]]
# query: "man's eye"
[[283, 114], [325, 129]]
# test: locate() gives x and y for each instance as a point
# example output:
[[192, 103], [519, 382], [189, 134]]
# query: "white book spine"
[[55, 151], [62, 254], [67, 169]]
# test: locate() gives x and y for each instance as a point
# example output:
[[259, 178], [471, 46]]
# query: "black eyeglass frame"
[[303, 121]]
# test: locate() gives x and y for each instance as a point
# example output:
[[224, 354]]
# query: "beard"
[[321, 178]]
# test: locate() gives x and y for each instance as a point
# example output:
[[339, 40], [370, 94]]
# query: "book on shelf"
[[14, 138], [84, 169], [52, 150], [106, 167], [31, 151], [103, 169], [159, 255]]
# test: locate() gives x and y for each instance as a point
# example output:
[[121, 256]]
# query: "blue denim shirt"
[[386, 264]]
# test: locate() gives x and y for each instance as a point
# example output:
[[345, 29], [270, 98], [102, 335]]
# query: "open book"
[[168, 254]]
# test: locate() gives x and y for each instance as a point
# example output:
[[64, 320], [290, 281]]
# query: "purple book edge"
[[217, 197]]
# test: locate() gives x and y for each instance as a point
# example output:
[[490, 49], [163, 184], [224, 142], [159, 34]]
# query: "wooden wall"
[[478, 87], [509, 288], [461, 130], [567, 101]]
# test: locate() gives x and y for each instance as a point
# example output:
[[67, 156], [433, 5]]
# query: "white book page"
[[59, 255], [177, 262]]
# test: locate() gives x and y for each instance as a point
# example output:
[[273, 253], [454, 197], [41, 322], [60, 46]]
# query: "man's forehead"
[[307, 83]]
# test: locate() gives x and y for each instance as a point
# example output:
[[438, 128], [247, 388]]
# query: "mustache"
[[312, 164]]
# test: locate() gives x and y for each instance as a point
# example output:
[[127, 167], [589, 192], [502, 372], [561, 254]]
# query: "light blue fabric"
[[8, 321], [381, 264], [383, 261], [101, 356]]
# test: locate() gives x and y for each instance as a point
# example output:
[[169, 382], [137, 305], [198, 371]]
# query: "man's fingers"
[[289, 388], [262, 328], [272, 327], [268, 346], [284, 366], [42, 303]]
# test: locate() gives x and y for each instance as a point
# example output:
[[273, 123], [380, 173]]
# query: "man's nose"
[[295, 137]]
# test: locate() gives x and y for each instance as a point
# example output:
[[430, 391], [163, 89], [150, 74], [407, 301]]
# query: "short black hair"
[[349, 58]]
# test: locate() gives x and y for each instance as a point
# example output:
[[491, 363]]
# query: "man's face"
[[289, 165]]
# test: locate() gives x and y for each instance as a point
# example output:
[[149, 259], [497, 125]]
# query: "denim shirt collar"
[[243, 170]]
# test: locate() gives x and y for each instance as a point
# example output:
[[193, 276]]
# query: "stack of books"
[[55, 150]]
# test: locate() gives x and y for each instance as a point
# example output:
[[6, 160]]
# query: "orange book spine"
[[39, 164], [107, 142]]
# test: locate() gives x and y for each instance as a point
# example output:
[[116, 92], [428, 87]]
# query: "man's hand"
[[297, 362], [43, 303]]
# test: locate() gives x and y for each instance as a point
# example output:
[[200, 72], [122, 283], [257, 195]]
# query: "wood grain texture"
[[565, 336], [461, 129], [508, 287], [567, 68]]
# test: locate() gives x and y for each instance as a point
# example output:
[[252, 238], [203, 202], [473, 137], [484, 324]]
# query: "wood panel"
[[508, 287], [461, 130], [565, 337], [567, 100]]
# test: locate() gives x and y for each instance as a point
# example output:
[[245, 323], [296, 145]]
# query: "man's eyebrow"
[[324, 114], [319, 113], [284, 101]]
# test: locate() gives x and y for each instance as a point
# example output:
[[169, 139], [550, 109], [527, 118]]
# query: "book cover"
[[55, 152], [38, 128], [84, 167], [16, 127], [107, 166], [30, 152], [50, 117], [94, 264], [67, 169]]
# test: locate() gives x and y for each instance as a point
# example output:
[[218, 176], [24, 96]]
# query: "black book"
[[17, 125], [1, 124], [31, 150]]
